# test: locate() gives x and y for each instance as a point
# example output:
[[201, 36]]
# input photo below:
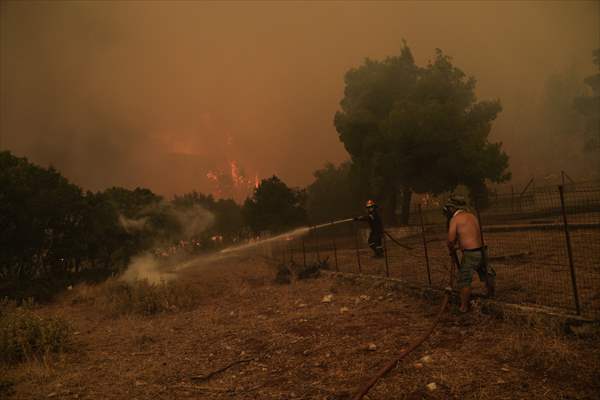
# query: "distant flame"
[[234, 184], [212, 176], [235, 174]]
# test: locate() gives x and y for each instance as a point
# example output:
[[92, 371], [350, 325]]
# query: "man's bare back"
[[464, 227]]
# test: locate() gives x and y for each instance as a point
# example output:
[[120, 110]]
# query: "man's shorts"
[[474, 260]]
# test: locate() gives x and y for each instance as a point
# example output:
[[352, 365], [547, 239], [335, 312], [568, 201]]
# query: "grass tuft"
[[140, 297], [26, 336]]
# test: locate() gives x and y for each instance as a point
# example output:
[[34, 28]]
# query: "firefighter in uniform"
[[376, 226]]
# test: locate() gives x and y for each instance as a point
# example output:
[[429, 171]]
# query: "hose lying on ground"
[[388, 367], [397, 242]]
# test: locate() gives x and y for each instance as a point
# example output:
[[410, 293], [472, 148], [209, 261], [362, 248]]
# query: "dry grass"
[[27, 336], [302, 347], [115, 297]]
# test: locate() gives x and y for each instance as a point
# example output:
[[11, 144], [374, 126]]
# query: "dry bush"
[[26, 336], [544, 350], [117, 297], [538, 351]]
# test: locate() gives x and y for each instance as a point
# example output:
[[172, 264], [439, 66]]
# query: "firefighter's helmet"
[[370, 204]]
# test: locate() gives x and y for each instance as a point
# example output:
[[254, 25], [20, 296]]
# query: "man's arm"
[[452, 234]]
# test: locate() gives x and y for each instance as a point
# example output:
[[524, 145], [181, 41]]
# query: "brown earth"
[[288, 344]]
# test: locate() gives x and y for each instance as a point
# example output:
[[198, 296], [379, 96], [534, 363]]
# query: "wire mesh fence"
[[543, 242]]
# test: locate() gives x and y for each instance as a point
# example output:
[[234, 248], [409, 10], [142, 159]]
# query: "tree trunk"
[[405, 211], [389, 208]]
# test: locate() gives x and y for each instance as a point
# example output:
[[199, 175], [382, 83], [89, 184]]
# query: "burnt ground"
[[291, 345]]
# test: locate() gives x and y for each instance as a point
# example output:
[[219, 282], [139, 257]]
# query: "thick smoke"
[[153, 265], [132, 225], [156, 94], [147, 267]]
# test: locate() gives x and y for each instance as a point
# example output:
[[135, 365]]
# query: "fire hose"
[[397, 242], [389, 366]]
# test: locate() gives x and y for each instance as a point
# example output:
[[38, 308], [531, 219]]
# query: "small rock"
[[305, 352], [140, 383], [232, 313], [426, 359], [372, 347], [500, 381], [53, 394], [364, 297], [418, 365], [505, 369], [344, 310], [301, 305], [70, 287], [431, 386], [327, 298], [380, 298]]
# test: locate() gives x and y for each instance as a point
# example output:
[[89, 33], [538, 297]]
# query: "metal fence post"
[[569, 250], [480, 225], [425, 245], [357, 249], [334, 250], [303, 253], [317, 243], [385, 253], [512, 198]]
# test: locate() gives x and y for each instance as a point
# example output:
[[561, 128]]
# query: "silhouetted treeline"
[[51, 230]]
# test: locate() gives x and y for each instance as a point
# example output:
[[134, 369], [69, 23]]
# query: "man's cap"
[[456, 202]]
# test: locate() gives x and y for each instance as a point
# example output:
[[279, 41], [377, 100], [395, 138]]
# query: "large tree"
[[418, 129], [333, 194], [274, 207], [589, 107]]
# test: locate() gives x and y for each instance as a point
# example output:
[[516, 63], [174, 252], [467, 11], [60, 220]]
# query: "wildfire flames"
[[233, 182]]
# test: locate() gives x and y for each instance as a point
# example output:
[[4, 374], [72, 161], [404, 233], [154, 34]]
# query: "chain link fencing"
[[544, 244]]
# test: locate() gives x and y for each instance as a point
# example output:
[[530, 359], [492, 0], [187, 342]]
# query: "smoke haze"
[[162, 94]]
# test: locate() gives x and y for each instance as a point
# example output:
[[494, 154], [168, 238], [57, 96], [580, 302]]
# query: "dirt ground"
[[289, 344]]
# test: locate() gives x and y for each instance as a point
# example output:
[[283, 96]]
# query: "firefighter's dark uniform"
[[376, 234]]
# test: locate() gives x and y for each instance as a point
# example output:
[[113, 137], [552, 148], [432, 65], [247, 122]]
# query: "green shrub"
[[25, 336]]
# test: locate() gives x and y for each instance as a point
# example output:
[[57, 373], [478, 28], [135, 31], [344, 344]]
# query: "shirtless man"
[[463, 229]]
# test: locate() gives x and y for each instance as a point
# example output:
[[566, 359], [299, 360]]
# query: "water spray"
[[284, 236]]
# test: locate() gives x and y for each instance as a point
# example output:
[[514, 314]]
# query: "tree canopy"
[[333, 194], [50, 230], [274, 207], [418, 129], [589, 107]]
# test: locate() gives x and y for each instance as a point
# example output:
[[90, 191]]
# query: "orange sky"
[[158, 94]]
